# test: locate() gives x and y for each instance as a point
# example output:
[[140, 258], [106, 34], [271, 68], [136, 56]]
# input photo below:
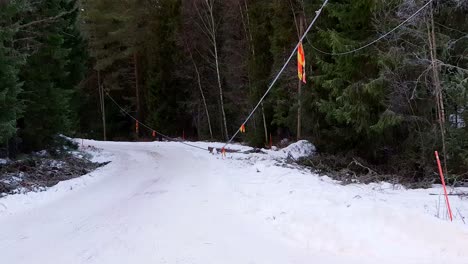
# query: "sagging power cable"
[[318, 12], [151, 129], [376, 40]]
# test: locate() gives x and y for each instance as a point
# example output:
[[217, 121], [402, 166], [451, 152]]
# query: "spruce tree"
[[50, 77], [283, 39], [260, 62], [10, 60], [167, 93], [347, 93]]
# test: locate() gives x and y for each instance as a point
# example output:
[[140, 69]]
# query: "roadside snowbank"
[[299, 149], [23, 199], [164, 202]]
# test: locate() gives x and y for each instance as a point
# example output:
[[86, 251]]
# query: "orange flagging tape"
[[242, 129]]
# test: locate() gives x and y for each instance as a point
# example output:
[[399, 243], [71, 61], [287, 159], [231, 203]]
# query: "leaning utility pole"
[[102, 104], [438, 88], [137, 89]]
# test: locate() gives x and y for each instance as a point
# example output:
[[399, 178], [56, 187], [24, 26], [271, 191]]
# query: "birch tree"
[[208, 24]]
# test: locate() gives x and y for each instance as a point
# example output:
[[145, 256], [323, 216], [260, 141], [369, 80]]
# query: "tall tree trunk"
[[198, 121], [202, 95], [102, 104], [210, 29], [200, 87], [252, 50], [438, 88], [137, 89], [221, 99], [265, 128], [12, 147]]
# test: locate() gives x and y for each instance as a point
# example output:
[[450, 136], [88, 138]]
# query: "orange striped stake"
[[154, 133], [137, 127], [442, 179]]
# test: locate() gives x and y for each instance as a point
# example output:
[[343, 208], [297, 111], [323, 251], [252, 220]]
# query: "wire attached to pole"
[[148, 127], [318, 12]]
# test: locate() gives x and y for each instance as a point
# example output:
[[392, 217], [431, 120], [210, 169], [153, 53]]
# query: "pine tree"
[[10, 86]]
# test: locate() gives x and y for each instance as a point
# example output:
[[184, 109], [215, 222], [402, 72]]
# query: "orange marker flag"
[[242, 128], [301, 63]]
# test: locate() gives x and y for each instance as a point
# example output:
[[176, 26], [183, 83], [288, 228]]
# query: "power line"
[[318, 12], [378, 39], [148, 127]]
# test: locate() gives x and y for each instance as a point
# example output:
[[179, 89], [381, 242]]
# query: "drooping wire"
[[376, 40], [318, 12], [151, 129]]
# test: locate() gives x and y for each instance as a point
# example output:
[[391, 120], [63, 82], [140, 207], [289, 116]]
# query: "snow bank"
[[23, 199], [300, 149]]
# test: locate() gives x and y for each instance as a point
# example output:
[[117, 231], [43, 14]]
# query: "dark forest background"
[[197, 67]]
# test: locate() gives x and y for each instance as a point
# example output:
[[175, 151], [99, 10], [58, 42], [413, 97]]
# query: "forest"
[[194, 69]]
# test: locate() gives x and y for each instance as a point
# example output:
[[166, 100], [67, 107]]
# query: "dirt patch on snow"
[[38, 171]]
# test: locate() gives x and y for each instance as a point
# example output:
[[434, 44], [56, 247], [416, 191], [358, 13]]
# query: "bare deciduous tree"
[[206, 14]]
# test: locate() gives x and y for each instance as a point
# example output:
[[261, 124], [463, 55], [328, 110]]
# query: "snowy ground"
[[168, 203]]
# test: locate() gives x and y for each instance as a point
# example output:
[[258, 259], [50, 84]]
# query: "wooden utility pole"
[[137, 90], [102, 104], [299, 86], [437, 85]]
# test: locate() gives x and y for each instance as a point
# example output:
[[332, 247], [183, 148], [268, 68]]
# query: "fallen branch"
[[357, 163]]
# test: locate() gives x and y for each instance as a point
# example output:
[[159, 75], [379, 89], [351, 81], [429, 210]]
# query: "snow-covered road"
[[167, 203]]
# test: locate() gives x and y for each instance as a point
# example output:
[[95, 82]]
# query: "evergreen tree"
[[284, 37], [166, 95], [10, 86], [50, 77], [259, 67], [348, 95]]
